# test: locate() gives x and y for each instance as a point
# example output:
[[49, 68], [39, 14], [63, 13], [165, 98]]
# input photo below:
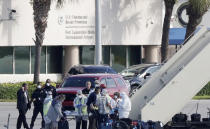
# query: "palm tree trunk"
[[166, 27], [41, 9], [191, 26], [38, 49]]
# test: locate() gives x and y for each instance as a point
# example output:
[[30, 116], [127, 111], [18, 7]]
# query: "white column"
[[98, 47], [152, 54], [71, 57]]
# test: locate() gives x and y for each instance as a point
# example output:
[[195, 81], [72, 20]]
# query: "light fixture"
[[12, 11], [10, 15]]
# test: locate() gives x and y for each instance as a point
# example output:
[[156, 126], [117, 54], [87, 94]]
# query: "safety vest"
[[46, 107], [83, 109]]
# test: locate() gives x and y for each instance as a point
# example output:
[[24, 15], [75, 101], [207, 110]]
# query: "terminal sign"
[[76, 27]]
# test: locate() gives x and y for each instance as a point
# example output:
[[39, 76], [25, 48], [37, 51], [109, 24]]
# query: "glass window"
[[118, 56], [6, 57], [110, 83], [43, 60], [86, 54], [153, 69], [103, 81], [22, 60], [99, 70], [120, 81], [54, 59], [78, 82], [134, 55], [106, 55]]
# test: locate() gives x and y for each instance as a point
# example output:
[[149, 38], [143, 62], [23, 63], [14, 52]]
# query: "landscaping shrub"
[[205, 91], [8, 91]]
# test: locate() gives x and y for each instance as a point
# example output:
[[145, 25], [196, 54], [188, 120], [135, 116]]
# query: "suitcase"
[[151, 125], [196, 117], [179, 118], [63, 124]]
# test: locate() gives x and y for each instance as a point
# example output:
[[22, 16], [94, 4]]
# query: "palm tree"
[[41, 9], [169, 5], [195, 11]]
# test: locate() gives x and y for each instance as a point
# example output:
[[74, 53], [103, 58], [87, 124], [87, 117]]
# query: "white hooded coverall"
[[124, 106]]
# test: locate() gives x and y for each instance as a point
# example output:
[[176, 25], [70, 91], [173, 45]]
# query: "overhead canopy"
[[176, 36]]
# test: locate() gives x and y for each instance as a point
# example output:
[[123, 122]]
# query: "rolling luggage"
[[63, 124], [151, 125], [179, 118], [196, 117]]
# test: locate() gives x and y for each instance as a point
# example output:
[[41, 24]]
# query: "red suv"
[[70, 86]]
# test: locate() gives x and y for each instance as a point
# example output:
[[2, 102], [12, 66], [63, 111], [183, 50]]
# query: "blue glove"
[[79, 105]]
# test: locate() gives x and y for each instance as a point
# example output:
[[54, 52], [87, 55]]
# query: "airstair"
[[174, 85]]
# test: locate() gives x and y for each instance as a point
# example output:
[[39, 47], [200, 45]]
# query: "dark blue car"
[[91, 69], [137, 75]]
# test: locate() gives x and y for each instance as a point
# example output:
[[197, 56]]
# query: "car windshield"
[[78, 81]]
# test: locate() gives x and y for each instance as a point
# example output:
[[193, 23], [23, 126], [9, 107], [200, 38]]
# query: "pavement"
[[10, 108], [191, 108], [7, 108]]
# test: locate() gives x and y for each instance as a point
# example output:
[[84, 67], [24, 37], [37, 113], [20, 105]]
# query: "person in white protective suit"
[[46, 105], [124, 106]]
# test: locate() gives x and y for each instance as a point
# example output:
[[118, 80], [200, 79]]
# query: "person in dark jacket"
[[37, 98], [88, 88], [23, 104], [92, 109], [48, 87]]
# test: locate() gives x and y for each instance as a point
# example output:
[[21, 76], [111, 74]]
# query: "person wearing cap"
[[23, 105], [92, 108], [115, 100], [104, 107], [114, 105], [81, 110], [124, 106], [48, 87], [37, 99]]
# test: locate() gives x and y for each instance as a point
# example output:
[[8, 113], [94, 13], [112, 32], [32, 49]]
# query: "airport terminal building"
[[131, 34]]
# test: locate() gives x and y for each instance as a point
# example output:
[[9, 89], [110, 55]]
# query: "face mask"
[[39, 86], [49, 96], [80, 96], [48, 84], [115, 97]]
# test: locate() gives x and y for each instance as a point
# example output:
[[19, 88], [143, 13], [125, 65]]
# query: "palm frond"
[[59, 3], [199, 7]]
